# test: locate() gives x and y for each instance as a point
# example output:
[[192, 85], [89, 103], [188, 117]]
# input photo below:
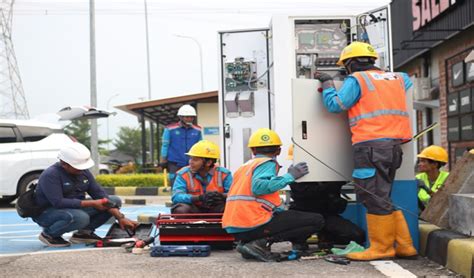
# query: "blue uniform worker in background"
[[177, 139]]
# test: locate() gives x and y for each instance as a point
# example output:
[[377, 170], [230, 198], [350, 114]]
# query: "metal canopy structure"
[[163, 112]]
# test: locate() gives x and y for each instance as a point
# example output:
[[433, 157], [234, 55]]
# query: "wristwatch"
[[121, 216]]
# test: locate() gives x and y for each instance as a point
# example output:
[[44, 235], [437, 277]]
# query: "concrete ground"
[[106, 262]]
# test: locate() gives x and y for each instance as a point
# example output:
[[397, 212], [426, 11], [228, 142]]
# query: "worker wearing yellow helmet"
[[254, 212], [202, 186], [431, 177], [376, 104]]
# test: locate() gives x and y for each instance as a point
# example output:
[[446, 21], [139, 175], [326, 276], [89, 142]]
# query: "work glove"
[[325, 79], [213, 198], [298, 170], [198, 198]]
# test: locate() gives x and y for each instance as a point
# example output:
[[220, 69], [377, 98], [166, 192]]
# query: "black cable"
[[350, 182]]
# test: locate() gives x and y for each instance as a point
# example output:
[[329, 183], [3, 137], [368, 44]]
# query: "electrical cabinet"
[[267, 80]]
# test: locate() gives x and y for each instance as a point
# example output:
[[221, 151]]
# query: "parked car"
[[27, 147]]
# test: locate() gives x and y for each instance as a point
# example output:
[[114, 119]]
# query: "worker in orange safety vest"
[[254, 212], [379, 122], [202, 186]]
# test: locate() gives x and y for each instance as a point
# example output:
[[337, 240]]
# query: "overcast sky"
[[51, 40]]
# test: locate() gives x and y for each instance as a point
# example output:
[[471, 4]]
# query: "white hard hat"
[[187, 110], [76, 155]]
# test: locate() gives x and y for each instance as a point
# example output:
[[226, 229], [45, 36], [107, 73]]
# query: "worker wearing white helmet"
[[61, 192], [177, 140]]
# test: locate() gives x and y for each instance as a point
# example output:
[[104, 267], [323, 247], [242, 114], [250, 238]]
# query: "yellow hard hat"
[[435, 153], [290, 152], [264, 137], [205, 149], [357, 49]]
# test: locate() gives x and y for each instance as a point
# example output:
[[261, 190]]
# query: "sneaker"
[[258, 250], [53, 241], [79, 237], [352, 247]]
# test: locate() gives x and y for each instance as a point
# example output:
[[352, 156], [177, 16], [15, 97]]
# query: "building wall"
[[452, 52], [208, 119], [431, 51]]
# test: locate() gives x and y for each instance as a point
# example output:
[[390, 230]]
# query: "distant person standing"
[[178, 138]]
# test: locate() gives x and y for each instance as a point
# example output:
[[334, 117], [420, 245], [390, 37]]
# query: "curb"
[[138, 191], [448, 248], [135, 201], [144, 218]]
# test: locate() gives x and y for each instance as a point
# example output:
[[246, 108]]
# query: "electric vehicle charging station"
[[266, 80]]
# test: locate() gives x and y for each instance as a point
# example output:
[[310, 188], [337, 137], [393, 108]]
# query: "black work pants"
[[324, 198], [291, 225], [182, 208], [385, 157], [339, 230]]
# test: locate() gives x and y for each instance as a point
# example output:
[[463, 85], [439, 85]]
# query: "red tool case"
[[194, 229]]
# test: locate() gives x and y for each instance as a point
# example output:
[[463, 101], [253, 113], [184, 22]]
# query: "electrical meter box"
[[267, 80]]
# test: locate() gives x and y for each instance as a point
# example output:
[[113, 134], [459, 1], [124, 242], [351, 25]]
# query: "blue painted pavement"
[[19, 235]]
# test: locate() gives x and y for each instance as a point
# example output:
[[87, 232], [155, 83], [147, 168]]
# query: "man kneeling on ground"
[[202, 186], [254, 212], [62, 187]]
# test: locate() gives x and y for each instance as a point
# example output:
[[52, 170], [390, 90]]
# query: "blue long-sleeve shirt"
[[59, 189], [265, 180], [177, 139], [180, 189], [349, 94]]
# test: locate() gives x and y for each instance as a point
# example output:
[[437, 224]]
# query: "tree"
[[81, 130], [129, 141]]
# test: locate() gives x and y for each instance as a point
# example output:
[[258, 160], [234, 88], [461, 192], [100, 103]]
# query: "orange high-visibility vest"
[[381, 111], [194, 186], [243, 209]]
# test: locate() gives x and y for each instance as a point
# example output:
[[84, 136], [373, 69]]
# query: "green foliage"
[[138, 180], [81, 130], [129, 141]]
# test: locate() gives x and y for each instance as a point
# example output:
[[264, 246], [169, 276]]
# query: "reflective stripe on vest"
[[353, 121], [381, 111], [440, 180], [251, 198], [243, 209], [215, 184]]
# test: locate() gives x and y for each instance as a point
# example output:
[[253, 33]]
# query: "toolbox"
[[194, 229], [180, 250]]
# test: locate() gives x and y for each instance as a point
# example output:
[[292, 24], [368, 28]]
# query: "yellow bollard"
[[165, 177]]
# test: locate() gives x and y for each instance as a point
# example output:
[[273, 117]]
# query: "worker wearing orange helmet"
[[376, 104], [431, 177]]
